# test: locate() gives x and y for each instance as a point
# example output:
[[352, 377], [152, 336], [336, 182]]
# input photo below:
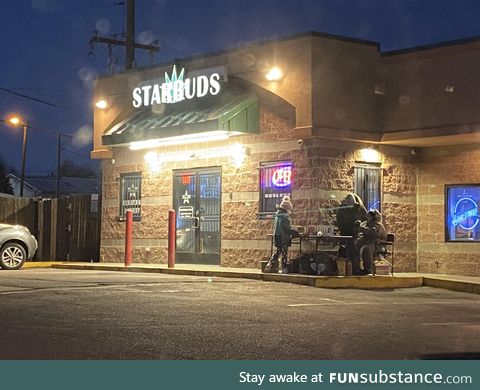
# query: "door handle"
[[195, 222]]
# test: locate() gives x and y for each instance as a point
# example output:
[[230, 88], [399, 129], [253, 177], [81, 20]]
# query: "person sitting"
[[369, 232], [282, 233]]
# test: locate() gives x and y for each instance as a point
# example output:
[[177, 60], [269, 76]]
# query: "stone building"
[[222, 137]]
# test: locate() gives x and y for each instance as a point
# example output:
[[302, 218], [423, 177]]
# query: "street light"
[[17, 121]]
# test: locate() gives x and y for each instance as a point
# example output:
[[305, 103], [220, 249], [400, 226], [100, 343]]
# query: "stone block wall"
[[323, 174], [400, 205], [439, 166], [243, 234]]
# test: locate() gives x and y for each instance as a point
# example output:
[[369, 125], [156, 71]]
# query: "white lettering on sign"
[[176, 88], [282, 177]]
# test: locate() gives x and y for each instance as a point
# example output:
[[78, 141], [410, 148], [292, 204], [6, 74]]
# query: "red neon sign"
[[186, 179], [282, 176]]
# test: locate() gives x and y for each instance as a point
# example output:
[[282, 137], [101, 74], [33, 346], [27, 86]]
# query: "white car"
[[17, 245]]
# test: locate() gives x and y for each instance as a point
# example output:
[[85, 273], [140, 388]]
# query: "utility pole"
[[24, 158], [130, 35], [129, 41], [59, 148]]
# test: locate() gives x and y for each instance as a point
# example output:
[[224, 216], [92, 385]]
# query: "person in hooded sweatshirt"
[[350, 211], [370, 231], [282, 236]]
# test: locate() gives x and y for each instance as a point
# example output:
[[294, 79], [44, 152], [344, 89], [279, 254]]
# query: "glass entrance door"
[[197, 201]]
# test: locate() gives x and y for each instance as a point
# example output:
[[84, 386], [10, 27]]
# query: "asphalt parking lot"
[[69, 314]]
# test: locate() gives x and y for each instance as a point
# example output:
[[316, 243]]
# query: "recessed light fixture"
[[101, 104], [274, 74]]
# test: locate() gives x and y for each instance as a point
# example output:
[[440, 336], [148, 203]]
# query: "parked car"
[[17, 245]]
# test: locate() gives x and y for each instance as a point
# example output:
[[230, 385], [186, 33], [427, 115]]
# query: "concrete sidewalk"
[[400, 280]]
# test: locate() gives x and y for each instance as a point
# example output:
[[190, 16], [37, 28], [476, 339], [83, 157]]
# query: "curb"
[[40, 264], [368, 283], [454, 285], [335, 282]]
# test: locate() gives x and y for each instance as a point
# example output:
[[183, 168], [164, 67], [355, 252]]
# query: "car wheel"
[[12, 256]]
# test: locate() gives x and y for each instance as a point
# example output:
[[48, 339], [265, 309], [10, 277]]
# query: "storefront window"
[[130, 194], [367, 185], [462, 218], [275, 182]]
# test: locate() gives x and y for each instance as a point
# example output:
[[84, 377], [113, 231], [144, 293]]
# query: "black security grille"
[[130, 194], [367, 185]]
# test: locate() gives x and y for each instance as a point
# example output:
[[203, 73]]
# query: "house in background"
[[46, 186]]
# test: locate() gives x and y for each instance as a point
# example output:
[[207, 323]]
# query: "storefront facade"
[[221, 138]]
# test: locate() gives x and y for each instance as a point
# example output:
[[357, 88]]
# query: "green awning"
[[226, 111]]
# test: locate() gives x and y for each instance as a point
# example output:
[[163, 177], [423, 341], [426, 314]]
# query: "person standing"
[[370, 231], [282, 235], [350, 211]]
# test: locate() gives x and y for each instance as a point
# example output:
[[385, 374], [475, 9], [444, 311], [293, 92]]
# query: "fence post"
[[128, 237], [172, 238]]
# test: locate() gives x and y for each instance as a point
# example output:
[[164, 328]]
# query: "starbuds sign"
[[176, 88]]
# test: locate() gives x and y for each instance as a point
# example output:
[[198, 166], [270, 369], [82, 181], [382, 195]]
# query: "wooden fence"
[[67, 228]]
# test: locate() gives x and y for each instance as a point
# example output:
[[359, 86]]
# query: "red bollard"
[[172, 238], [128, 237]]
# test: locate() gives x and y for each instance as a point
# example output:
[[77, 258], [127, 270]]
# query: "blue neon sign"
[[462, 213]]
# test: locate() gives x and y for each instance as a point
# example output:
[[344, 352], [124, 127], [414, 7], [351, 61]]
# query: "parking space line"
[[450, 323], [332, 301]]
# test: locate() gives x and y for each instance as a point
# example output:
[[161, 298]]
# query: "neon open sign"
[[282, 176]]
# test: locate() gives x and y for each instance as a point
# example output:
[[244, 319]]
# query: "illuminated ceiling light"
[[274, 74], [101, 104], [208, 136], [370, 155], [154, 161], [236, 152]]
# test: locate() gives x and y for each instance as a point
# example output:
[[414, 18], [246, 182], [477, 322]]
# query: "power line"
[[39, 129], [78, 91], [78, 86], [28, 97], [76, 154]]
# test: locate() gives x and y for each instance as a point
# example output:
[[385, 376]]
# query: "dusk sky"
[[45, 51]]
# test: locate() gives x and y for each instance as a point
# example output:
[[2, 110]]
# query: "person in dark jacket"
[[351, 210], [282, 234], [370, 232]]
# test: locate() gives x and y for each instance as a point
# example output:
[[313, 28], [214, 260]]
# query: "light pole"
[[17, 121], [24, 157], [59, 160]]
